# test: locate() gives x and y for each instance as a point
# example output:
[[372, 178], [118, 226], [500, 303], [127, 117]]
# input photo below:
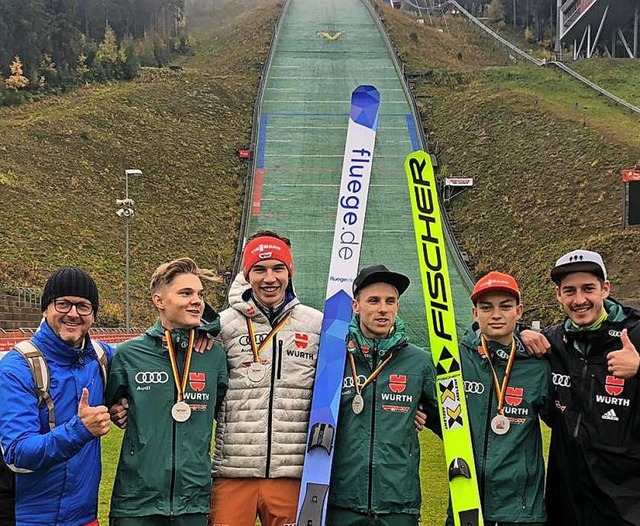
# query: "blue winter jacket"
[[57, 471]]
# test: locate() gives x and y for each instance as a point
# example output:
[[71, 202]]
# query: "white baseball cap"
[[578, 261]]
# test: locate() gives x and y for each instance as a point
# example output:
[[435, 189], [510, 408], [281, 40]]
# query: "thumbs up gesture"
[[625, 362], [96, 419]]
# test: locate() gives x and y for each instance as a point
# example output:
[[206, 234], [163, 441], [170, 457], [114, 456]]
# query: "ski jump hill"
[[320, 52]]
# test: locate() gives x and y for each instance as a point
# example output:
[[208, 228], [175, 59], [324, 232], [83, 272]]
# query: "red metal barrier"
[[8, 339]]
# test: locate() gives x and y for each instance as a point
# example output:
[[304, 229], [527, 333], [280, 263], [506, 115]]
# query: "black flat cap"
[[380, 274]]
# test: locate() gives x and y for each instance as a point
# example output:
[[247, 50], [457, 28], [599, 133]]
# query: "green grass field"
[[432, 474]]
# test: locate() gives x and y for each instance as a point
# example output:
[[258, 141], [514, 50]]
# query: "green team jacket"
[[510, 467], [165, 466], [377, 454]]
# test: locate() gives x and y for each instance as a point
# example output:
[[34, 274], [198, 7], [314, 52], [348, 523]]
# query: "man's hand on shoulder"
[[96, 419], [203, 343], [420, 420], [536, 342], [119, 413], [624, 363]]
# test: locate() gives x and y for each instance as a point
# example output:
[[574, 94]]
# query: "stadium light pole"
[[126, 213]]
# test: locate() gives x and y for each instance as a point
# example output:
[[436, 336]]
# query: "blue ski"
[[345, 256]]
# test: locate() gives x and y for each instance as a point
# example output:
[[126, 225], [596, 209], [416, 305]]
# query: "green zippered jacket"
[[165, 466], [510, 467], [377, 454]]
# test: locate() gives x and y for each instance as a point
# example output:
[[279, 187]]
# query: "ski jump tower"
[[599, 26]]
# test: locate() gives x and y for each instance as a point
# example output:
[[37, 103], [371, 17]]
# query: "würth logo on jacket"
[[197, 381], [614, 386], [397, 382], [513, 395], [397, 386], [301, 340]]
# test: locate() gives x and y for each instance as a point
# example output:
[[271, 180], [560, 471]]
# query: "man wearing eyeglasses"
[[50, 438]]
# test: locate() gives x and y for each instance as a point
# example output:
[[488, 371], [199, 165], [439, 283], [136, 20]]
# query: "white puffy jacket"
[[262, 426]]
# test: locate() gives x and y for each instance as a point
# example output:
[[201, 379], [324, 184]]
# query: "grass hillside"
[[62, 165], [544, 151]]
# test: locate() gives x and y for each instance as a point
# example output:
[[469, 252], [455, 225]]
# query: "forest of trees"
[[48, 45], [536, 15]]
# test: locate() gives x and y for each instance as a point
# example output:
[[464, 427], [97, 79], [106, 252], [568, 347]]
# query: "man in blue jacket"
[[54, 446], [7, 490]]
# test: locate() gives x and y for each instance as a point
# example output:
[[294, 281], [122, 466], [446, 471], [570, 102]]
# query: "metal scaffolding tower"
[[594, 27]]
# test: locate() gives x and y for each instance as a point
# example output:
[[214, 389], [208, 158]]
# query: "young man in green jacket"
[[375, 478], [173, 393], [506, 389]]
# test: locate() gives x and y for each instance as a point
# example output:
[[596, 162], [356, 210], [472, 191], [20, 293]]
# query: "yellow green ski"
[[456, 434]]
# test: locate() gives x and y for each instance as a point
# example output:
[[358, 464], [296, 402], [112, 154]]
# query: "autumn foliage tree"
[[61, 44], [16, 80]]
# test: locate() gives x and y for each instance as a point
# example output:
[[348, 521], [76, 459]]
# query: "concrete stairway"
[[19, 311]]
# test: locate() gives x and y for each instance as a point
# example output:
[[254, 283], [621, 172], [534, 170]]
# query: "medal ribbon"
[[181, 383], [257, 350], [500, 391], [372, 376]]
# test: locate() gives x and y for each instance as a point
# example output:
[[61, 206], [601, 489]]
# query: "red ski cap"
[[495, 281], [266, 247]]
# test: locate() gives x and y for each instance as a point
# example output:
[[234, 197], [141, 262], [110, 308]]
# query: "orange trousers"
[[238, 502]]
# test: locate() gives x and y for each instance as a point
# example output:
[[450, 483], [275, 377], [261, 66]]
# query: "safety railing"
[[8, 339], [539, 62], [28, 297], [495, 35], [594, 86]]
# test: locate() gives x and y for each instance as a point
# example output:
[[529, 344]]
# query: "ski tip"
[[368, 90], [418, 162], [365, 102], [417, 155]]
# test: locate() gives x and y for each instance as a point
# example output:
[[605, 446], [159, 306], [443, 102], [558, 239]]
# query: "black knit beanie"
[[70, 281]]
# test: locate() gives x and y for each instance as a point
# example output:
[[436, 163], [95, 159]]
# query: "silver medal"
[[500, 424], [256, 372], [181, 411], [357, 404]]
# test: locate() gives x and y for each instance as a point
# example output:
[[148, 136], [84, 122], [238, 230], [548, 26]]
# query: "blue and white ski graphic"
[[345, 256]]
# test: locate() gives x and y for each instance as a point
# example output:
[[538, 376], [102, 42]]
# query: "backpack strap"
[[41, 376], [40, 372], [102, 360]]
